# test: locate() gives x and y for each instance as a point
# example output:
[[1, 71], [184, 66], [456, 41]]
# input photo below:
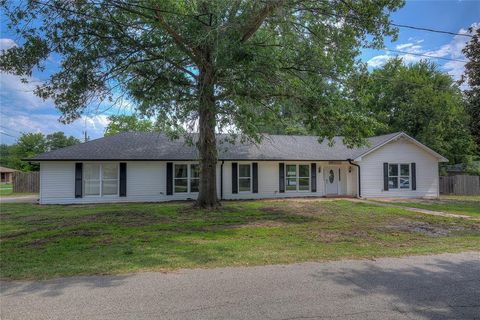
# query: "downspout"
[[359, 177], [221, 180]]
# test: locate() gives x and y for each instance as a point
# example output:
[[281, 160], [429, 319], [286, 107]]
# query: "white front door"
[[331, 180]]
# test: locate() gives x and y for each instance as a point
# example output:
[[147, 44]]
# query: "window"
[[297, 177], [100, 179], [194, 177], [109, 179], [244, 178], [180, 179], [186, 178], [399, 176]]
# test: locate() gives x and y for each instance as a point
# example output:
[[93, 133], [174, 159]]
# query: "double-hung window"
[[297, 177], [194, 177], [100, 179], [186, 178], [398, 176], [244, 177]]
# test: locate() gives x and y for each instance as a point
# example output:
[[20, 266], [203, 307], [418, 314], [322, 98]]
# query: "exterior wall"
[[146, 182], [6, 177], [400, 151]]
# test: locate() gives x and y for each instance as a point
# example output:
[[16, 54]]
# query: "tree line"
[[30, 144]]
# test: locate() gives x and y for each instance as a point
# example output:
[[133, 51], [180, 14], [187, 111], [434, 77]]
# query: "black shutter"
[[414, 176], [313, 177], [169, 178], [123, 179], [234, 177], [385, 176], [281, 177], [78, 179], [255, 177]]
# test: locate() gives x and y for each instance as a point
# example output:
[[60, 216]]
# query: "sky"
[[21, 111]]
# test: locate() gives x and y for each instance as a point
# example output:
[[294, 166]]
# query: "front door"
[[331, 180]]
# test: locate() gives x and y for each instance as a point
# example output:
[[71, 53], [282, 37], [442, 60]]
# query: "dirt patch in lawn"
[[429, 229], [125, 218], [306, 209], [42, 242]]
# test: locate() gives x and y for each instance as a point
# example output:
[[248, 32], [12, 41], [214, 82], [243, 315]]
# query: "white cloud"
[[452, 50], [16, 123], [403, 46], [379, 61], [6, 43]]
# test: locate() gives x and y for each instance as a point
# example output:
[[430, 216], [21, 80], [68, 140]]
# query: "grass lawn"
[[466, 205], [6, 189], [39, 242]]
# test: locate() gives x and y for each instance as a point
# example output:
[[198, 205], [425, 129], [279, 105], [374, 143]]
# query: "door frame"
[[326, 170]]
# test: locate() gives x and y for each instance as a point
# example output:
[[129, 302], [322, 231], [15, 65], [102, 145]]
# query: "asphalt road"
[[424, 287]]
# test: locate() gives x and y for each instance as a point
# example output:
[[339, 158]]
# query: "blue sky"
[[21, 111]]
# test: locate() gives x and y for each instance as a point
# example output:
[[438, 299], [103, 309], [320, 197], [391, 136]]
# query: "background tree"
[[472, 77], [27, 146], [127, 123], [217, 65], [420, 100], [59, 140], [31, 144]]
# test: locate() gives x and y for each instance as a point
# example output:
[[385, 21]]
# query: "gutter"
[[359, 177], [221, 180]]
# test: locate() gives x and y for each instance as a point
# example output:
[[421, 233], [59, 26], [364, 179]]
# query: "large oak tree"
[[206, 66]]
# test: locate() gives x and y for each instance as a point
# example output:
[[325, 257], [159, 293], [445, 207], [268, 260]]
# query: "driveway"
[[424, 287]]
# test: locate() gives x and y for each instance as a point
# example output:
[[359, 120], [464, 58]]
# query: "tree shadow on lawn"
[[438, 290]]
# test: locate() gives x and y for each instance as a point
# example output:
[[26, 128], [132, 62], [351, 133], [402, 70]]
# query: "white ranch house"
[[148, 167]]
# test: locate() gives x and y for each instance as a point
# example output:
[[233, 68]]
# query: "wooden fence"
[[26, 182], [460, 185]]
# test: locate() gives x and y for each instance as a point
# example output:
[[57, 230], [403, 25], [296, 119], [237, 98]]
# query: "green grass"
[[39, 242], [6, 189], [465, 205]]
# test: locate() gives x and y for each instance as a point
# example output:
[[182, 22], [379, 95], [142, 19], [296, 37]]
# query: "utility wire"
[[1, 132], [431, 30], [422, 55]]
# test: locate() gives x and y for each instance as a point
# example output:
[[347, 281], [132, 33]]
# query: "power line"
[[5, 128], [431, 30], [1, 132], [423, 55]]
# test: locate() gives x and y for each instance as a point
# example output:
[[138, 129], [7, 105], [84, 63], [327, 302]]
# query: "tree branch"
[[191, 52], [256, 21]]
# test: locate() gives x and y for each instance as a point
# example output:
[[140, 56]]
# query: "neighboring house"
[[6, 175], [150, 167]]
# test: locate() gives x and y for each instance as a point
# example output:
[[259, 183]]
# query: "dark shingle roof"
[[156, 146]]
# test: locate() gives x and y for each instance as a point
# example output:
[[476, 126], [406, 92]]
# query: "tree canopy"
[[472, 78], [420, 100], [127, 123], [206, 66], [31, 144]]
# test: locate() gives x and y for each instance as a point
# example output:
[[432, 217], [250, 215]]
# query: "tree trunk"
[[207, 197]]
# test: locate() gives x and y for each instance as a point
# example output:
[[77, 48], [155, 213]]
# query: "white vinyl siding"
[[399, 152], [146, 182]]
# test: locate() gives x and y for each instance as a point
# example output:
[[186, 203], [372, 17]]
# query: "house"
[[150, 167], [6, 175]]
